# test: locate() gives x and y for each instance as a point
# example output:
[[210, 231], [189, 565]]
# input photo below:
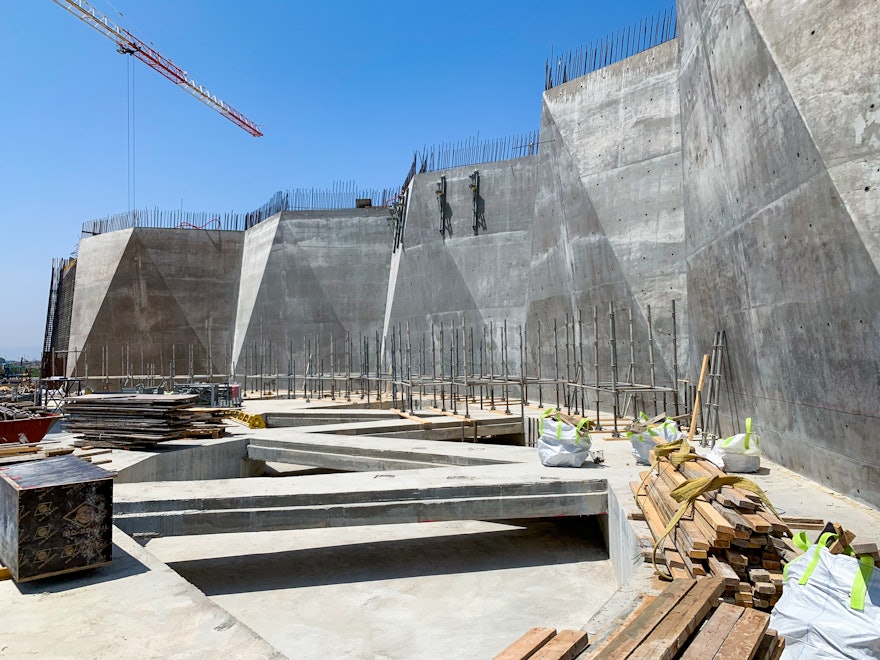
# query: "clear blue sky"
[[343, 90]]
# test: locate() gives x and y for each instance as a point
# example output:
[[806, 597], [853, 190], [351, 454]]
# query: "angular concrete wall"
[[308, 274], [735, 170], [609, 224], [781, 145], [477, 276], [144, 297]]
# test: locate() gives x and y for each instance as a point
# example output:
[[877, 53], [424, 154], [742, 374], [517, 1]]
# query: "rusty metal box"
[[56, 516]]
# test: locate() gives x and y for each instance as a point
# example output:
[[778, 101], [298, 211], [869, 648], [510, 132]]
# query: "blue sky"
[[343, 91]]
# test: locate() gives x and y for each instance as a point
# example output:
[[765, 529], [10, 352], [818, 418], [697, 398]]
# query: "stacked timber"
[[127, 421], [728, 533], [687, 621], [24, 453], [207, 423]]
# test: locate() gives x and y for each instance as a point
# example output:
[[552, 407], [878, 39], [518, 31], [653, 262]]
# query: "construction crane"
[[128, 44]]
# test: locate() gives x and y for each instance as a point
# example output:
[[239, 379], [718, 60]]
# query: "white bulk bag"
[[830, 605], [642, 443], [561, 444], [738, 453]]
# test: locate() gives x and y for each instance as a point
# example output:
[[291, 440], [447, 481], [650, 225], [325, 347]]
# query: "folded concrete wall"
[[735, 170], [477, 268], [781, 146], [154, 301], [609, 224], [308, 275]]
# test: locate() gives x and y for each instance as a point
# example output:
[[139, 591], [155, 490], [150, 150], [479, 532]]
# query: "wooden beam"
[[745, 637], [712, 635], [567, 645], [628, 639], [670, 635], [527, 645]]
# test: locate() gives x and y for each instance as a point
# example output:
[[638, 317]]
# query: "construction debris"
[[128, 421]]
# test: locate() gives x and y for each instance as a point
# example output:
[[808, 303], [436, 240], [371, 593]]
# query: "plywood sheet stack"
[[729, 533], [130, 420]]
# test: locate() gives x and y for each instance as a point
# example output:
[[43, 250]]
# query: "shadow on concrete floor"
[[537, 543], [122, 566]]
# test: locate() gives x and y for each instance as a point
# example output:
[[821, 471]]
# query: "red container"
[[25, 431]]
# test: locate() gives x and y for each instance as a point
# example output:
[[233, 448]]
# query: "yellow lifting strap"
[[690, 490]]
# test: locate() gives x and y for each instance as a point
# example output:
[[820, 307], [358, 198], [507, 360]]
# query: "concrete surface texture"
[[609, 222], [781, 161], [309, 274], [735, 170], [477, 270], [136, 607], [149, 298], [431, 590]]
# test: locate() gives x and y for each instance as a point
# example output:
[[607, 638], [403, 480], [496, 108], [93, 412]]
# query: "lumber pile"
[[546, 644], [132, 421], [688, 622], [728, 533]]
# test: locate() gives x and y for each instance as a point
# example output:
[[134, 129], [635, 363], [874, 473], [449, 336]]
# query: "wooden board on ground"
[[526, 645], [670, 635], [629, 638], [745, 636], [713, 633], [566, 645]]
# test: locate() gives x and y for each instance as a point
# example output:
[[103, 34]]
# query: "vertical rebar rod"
[[505, 359], [674, 360], [615, 393], [465, 375], [556, 361], [651, 359], [540, 384], [442, 372]]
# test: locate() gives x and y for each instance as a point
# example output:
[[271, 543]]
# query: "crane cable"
[[130, 145]]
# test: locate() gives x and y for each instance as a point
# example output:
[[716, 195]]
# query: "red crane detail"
[[128, 44]]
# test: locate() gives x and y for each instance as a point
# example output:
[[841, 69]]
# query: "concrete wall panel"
[[776, 257], [311, 274], [476, 275]]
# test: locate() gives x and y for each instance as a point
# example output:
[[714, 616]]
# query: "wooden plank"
[[4, 573], [527, 645], [797, 522], [746, 636], [15, 449], [713, 633], [630, 636], [767, 647], [670, 635], [721, 569], [780, 647], [567, 645]]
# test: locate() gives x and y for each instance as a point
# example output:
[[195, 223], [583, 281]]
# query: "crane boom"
[[128, 44]]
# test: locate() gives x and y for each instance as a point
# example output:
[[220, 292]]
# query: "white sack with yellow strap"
[[561, 444], [642, 443], [738, 453], [830, 605]]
